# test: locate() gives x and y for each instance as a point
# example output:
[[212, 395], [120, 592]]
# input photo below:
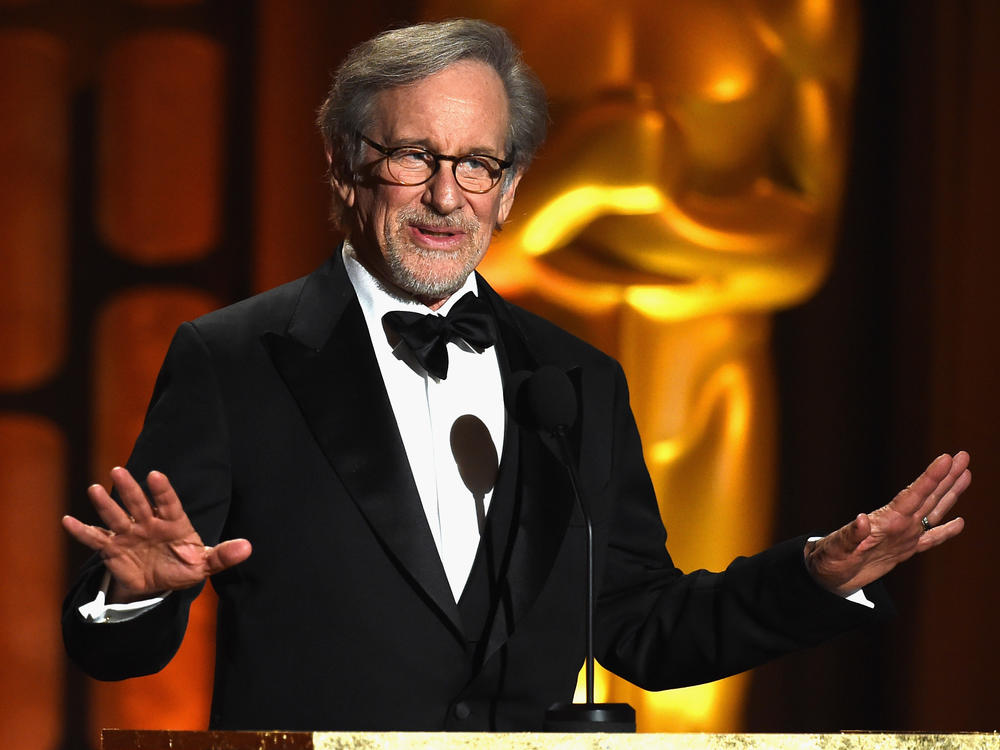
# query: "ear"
[[342, 185], [507, 199]]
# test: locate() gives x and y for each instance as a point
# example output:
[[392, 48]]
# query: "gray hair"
[[405, 55]]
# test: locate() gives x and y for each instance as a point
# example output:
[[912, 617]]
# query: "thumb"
[[227, 554], [857, 531]]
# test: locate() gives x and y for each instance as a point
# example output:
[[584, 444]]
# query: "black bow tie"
[[428, 335]]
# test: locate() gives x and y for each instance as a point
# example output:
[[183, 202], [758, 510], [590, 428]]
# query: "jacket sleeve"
[[660, 628], [185, 436]]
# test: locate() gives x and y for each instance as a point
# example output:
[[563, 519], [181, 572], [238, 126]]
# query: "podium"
[[129, 739]]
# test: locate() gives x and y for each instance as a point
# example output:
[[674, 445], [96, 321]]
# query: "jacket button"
[[462, 710]]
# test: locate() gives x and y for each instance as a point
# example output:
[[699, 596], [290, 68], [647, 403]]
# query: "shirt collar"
[[376, 299]]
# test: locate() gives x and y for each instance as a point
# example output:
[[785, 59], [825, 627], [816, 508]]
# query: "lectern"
[[125, 739]]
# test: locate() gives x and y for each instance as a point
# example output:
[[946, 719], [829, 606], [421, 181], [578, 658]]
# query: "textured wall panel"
[[33, 256], [133, 332], [296, 53], [160, 147], [32, 467]]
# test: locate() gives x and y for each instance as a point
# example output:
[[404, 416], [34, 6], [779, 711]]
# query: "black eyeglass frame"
[[388, 152]]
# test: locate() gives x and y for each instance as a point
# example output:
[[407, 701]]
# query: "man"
[[417, 556]]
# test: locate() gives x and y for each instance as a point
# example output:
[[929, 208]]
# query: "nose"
[[442, 192]]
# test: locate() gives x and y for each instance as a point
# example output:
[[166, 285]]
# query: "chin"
[[430, 274], [431, 283]]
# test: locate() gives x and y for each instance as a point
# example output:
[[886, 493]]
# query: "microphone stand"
[[589, 716]]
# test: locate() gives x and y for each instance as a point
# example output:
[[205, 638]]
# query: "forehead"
[[460, 109]]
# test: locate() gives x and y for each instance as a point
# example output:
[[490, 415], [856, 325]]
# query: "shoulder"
[[267, 311], [557, 342], [548, 342], [308, 302]]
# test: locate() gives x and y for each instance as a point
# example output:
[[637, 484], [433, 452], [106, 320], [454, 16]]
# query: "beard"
[[425, 273]]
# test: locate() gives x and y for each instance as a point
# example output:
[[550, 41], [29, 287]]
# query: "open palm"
[[149, 546], [874, 543]]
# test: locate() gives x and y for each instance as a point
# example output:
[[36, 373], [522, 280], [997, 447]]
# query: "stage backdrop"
[[711, 164]]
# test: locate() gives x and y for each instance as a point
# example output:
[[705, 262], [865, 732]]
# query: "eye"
[[479, 166], [413, 159]]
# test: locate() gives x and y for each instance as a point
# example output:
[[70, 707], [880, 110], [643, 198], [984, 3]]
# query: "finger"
[[132, 495], [90, 536], [227, 554], [959, 466], [939, 511], [113, 515], [936, 472], [940, 534], [168, 505], [912, 499]]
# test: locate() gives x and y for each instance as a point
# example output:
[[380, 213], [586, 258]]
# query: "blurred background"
[[779, 215]]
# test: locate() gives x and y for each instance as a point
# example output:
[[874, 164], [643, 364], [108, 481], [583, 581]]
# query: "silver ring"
[[925, 523]]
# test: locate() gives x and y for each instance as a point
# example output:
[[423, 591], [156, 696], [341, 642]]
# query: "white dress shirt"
[[435, 417]]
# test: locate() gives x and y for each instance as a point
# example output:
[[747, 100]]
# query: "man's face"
[[426, 239]]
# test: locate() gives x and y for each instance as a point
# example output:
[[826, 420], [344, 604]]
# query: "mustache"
[[433, 220]]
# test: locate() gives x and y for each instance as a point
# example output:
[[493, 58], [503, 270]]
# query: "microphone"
[[545, 401]]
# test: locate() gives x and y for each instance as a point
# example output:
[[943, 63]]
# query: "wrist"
[[814, 555], [807, 557], [119, 594]]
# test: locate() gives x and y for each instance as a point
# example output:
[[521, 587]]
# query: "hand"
[[150, 546], [874, 543]]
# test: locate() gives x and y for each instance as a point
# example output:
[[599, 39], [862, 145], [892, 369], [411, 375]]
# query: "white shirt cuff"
[[858, 597], [99, 611]]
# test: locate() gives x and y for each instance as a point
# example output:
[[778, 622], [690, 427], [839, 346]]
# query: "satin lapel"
[[543, 496], [340, 391]]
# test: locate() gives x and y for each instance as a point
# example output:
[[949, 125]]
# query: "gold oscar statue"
[[689, 187]]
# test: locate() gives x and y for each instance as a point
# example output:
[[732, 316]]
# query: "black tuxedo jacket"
[[272, 422]]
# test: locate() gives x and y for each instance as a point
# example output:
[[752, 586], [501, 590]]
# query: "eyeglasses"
[[412, 165]]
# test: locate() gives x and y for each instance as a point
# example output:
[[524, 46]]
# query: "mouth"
[[438, 237]]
